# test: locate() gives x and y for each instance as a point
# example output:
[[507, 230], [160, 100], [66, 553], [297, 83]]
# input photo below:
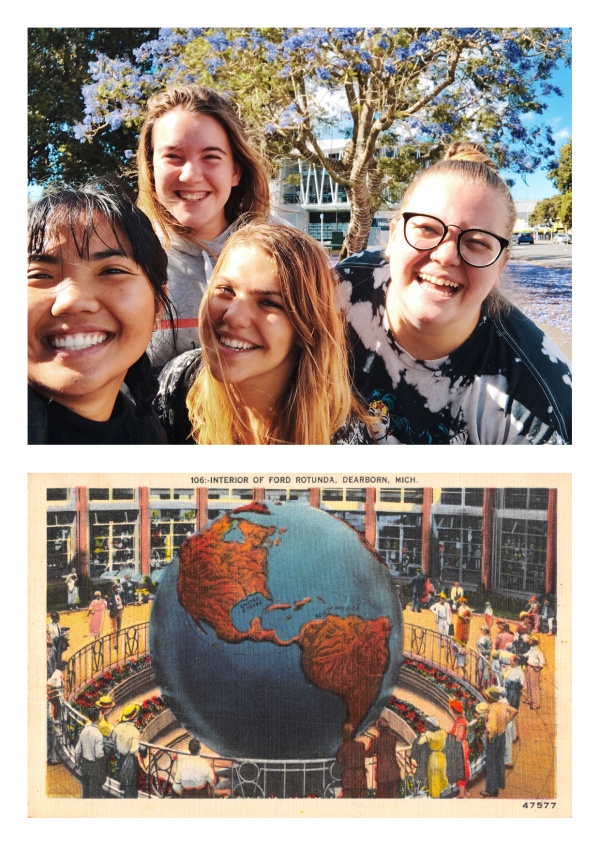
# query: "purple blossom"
[[323, 73], [218, 41], [362, 67]]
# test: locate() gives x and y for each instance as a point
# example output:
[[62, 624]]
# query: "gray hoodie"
[[189, 270]]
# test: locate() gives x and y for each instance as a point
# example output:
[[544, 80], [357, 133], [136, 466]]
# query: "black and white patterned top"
[[508, 383]]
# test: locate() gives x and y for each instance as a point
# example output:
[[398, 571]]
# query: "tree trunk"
[[362, 210]]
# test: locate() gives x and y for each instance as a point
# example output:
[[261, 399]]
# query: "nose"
[[74, 296], [446, 252], [238, 313], [191, 171]]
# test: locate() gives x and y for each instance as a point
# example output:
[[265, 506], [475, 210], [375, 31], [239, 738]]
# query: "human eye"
[[269, 303], [37, 273], [480, 241], [223, 290]]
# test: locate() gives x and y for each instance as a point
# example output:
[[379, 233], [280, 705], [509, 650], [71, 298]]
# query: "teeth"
[[199, 196], [78, 341], [435, 280], [237, 345]]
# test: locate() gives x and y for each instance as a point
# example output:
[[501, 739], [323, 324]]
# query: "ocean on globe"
[[276, 625]]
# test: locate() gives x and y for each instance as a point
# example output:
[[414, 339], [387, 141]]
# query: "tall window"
[[399, 541], [60, 543], [457, 547], [169, 527], [113, 541], [522, 555]]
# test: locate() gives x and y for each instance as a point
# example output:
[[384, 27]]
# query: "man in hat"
[[443, 616], [89, 757], [536, 661], [497, 717], [106, 704], [127, 740]]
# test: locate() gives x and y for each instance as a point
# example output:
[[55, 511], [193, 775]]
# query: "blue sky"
[[558, 116]]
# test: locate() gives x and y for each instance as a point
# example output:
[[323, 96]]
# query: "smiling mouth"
[[192, 197], [78, 341], [445, 287], [236, 345]]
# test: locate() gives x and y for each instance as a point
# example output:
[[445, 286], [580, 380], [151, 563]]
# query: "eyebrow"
[[256, 292], [174, 147], [100, 255]]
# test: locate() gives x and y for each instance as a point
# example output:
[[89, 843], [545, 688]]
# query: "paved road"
[[556, 254]]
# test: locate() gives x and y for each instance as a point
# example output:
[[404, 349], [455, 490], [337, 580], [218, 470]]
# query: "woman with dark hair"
[[198, 176], [429, 329], [96, 285]]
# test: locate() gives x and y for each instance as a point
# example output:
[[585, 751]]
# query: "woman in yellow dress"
[[435, 737]]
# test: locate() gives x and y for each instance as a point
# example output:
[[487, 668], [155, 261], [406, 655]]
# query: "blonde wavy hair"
[[250, 197], [319, 399], [469, 161]]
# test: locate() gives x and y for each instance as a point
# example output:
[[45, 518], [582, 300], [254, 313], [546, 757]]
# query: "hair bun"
[[469, 151]]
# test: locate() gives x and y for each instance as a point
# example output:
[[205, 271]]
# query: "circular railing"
[[257, 778]]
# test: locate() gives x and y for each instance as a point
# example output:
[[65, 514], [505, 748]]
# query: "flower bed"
[[453, 690], [106, 681]]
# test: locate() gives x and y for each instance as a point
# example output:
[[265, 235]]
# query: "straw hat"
[[130, 712], [105, 702]]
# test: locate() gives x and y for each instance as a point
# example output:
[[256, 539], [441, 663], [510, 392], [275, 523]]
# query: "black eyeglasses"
[[475, 246]]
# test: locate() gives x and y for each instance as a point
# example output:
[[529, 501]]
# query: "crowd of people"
[[197, 316]]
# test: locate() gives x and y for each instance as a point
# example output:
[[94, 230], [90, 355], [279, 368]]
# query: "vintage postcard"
[[343, 645]]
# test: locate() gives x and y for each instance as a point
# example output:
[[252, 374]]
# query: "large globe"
[[276, 625]]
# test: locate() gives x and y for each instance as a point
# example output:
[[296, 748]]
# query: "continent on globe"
[[274, 627], [348, 657]]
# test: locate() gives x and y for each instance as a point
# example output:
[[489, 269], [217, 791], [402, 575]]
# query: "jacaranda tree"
[[413, 90]]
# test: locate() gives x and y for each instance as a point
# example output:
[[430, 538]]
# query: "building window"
[[99, 493], [300, 494], [169, 527], [356, 494], [60, 543], [457, 548], [123, 493], [518, 499], [276, 494], [218, 493], [399, 541], [242, 493], [412, 496], [333, 495], [58, 494], [522, 555], [113, 542]]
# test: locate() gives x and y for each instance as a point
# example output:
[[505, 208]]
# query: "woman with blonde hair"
[[273, 364], [429, 329], [197, 176]]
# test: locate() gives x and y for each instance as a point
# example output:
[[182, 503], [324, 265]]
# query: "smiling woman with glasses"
[[457, 362]]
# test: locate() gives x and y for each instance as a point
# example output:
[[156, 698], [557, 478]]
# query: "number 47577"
[[538, 805]]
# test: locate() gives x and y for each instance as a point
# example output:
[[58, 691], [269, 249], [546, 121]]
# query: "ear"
[[236, 175]]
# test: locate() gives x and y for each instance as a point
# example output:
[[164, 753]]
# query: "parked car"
[[562, 238], [525, 238]]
